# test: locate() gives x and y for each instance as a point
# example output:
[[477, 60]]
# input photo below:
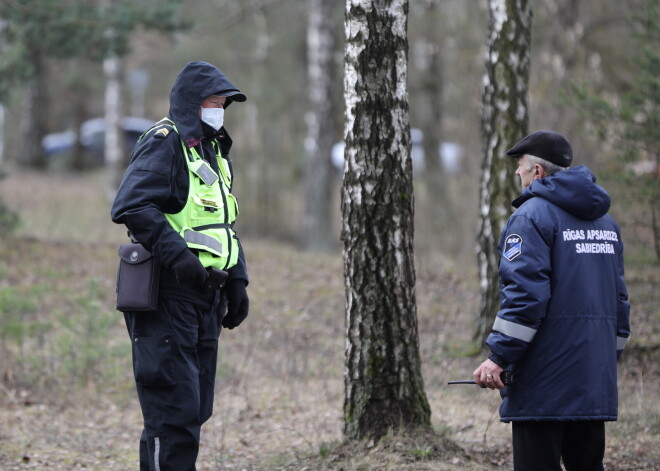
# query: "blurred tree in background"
[[504, 122], [629, 122], [36, 37], [322, 124], [263, 45]]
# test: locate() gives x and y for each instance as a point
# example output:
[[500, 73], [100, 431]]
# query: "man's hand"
[[238, 303], [188, 269], [488, 375]]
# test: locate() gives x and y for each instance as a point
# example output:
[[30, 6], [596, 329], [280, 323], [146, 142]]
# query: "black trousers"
[[541, 446], [175, 353]]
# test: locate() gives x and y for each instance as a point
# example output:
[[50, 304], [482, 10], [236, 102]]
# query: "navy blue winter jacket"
[[564, 311]]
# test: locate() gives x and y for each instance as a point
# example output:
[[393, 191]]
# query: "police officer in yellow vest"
[[175, 199]]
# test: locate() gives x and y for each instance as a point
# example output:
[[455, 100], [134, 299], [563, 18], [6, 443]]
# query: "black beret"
[[546, 145]]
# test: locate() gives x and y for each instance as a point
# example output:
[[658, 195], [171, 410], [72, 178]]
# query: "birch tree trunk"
[[80, 104], [504, 122], [321, 126], [113, 148], [113, 142], [384, 388]]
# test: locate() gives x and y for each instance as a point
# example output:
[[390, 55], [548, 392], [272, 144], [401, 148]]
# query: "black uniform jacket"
[[157, 182]]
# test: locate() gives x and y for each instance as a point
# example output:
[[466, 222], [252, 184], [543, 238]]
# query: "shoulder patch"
[[512, 246], [162, 133]]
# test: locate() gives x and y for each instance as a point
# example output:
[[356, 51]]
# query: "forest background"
[[62, 344]]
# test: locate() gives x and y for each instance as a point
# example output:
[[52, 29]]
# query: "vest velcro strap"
[[205, 172], [203, 240], [213, 226]]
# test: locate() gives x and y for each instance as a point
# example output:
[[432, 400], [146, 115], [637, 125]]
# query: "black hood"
[[196, 82], [574, 190]]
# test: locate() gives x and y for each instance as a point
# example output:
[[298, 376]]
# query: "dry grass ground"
[[66, 394]]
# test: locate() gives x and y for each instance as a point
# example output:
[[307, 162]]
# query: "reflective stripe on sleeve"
[[157, 453], [517, 331], [621, 342], [204, 240]]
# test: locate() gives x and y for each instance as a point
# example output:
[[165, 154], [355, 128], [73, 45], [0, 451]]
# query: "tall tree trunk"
[[431, 87], [33, 120], [2, 140], [384, 388], [113, 135], [80, 101], [432, 187], [655, 213], [113, 141], [321, 126], [504, 122]]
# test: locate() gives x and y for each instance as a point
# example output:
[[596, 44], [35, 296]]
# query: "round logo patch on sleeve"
[[512, 246]]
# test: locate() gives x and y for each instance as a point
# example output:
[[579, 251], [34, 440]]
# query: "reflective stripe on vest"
[[199, 239], [206, 221]]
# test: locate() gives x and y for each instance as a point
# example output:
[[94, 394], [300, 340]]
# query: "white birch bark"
[[113, 109], [504, 122], [112, 144], [383, 383]]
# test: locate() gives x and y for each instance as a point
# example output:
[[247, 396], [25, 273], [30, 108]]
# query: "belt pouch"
[[137, 279]]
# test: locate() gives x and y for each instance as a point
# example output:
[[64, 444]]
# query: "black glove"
[[188, 269], [238, 303]]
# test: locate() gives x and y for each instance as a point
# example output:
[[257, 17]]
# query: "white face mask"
[[214, 117]]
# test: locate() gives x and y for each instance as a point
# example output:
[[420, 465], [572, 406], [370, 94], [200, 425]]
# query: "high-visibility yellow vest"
[[206, 221]]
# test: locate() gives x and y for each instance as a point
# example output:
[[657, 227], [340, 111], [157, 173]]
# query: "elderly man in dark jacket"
[[564, 312], [175, 199]]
